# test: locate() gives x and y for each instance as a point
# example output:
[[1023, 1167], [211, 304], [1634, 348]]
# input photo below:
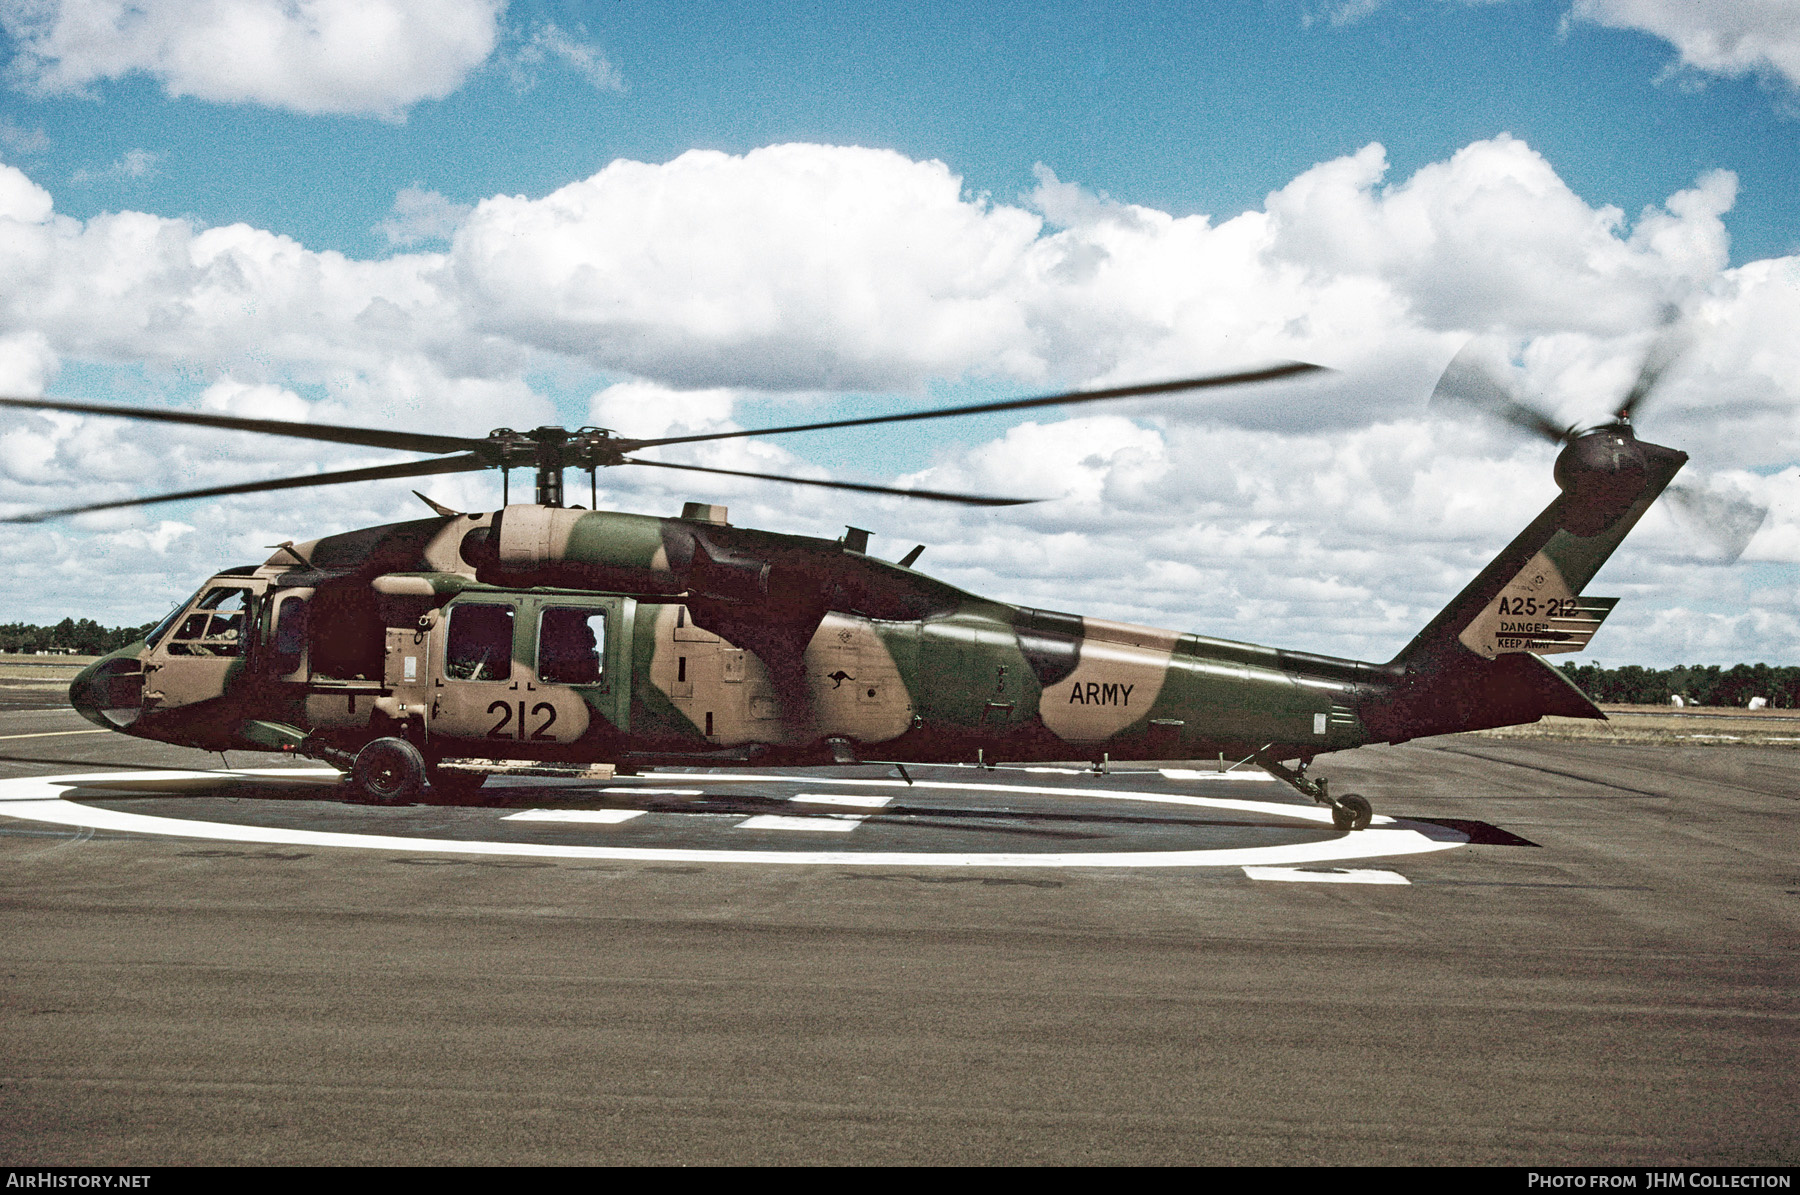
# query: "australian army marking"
[[1095, 693]]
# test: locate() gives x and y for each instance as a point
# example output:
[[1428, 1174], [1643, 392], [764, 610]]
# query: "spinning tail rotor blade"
[[1467, 383], [1664, 352], [455, 464], [1725, 519]]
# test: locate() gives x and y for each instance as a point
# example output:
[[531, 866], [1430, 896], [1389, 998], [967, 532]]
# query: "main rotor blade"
[[1723, 518], [1469, 384], [928, 495], [1285, 370], [454, 464], [367, 437]]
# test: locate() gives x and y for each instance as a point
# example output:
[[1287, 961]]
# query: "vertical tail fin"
[[1473, 665]]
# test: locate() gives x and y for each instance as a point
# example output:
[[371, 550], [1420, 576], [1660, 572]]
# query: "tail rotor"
[[1717, 514]]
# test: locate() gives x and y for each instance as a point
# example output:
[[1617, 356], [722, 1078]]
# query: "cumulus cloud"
[[1728, 38], [23, 202], [547, 42], [1493, 237], [20, 140], [420, 215], [793, 266], [646, 410], [360, 57], [1732, 38], [133, 164], [1334, 514]]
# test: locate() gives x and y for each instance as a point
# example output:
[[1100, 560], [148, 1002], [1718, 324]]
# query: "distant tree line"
[[83, 637], [1696, 684]]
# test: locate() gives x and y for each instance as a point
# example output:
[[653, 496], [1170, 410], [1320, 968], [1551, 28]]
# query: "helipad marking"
[[41, 799], [826, 823], [841, 799], [1196, 774], [604, 817], [1309, 813], [1327, 875], [52, 734]]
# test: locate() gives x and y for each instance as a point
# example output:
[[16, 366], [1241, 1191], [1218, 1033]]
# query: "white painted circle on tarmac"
[[43, 799]]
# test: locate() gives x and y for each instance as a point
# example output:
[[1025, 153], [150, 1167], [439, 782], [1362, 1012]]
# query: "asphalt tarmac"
[[1588, 957]]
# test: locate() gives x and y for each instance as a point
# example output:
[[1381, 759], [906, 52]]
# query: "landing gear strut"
[[1348, 812]]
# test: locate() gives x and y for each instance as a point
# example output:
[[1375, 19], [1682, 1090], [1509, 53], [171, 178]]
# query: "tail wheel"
[[388, 771], [1351, 812]]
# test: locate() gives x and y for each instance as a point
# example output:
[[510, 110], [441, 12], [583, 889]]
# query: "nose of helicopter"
[[84, 695], [109, 692]]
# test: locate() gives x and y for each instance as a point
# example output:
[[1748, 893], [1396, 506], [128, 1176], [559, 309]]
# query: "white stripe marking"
[[1197, 774], [604, 817], [840, 799], [658, 792], [40, 799], [51, 734], [1327, 875], [829, 823], [1305, 813]]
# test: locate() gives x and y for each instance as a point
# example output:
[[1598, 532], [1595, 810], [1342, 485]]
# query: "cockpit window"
[[215, 624], [162, 628]]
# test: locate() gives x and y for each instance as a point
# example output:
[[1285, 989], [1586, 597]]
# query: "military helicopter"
[[548, 638]]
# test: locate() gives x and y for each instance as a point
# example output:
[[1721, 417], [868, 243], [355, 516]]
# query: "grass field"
[[1697, 726], [36, 675]]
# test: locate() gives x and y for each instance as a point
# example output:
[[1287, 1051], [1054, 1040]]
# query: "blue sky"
[[1507, 132], [1185, 108]]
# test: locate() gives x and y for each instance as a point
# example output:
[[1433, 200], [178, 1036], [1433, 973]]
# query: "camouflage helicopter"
[[543, 637]]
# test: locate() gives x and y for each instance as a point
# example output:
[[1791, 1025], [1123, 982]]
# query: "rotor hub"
[[1602, 471], [550, 449]]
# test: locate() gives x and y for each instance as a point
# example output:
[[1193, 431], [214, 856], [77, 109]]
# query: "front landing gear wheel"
[[1351, 812], [388, 771]]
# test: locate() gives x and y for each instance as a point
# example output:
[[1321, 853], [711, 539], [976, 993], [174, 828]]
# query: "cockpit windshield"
[[213, 625], [162, 628]]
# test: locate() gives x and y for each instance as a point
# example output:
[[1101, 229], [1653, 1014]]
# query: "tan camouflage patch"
[[705, 677], [444, 551], [855, 685], [1114, 685], [1130, 634], [532, 536]]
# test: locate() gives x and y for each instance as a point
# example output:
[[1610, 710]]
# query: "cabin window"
[[290, 633], [346, 639], [571, 645], [480, 643], [215, 626]]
